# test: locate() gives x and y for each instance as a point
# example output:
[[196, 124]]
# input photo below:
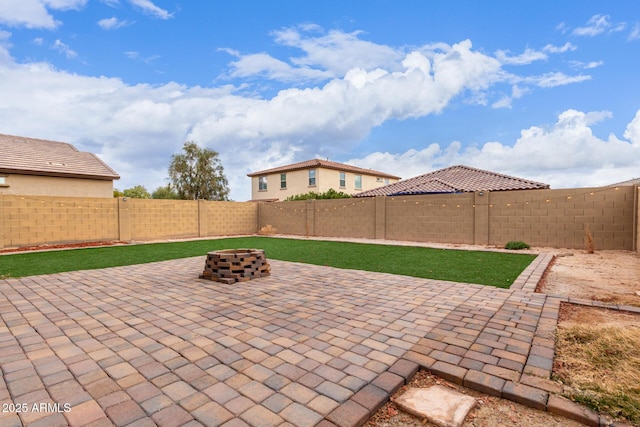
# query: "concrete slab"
[[438, 404]]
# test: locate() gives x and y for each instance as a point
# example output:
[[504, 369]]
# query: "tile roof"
[[32, 156], [454, 179], [633, 181], [319, 163]]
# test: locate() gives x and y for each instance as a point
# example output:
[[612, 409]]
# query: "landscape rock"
[[438, 404]]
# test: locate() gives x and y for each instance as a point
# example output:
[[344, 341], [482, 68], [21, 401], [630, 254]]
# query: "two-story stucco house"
[[38, 167], [315, 175]]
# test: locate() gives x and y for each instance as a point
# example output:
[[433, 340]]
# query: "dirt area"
[[61, 246], [608, 276]]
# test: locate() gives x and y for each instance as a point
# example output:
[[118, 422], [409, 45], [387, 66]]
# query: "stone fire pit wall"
[[235, 265]]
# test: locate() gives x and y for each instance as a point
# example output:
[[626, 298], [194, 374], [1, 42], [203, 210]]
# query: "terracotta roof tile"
[[455, 179], [41, 157], [315, 163], [633, 181]]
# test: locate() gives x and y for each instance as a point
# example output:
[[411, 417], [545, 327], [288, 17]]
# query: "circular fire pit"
[[235, 265]]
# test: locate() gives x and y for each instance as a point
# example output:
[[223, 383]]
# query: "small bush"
[[516, 245], [312, 195], [589, 244]]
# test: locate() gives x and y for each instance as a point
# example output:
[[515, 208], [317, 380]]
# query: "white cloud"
[[635, 32], [557, 79], [111, 23], [65, 49], [266, 66], [597, 25], [527, 57], [65, 4], [348, 108], [532, 55], [506, 101], [5, 45], [559, 49], [566, 154], [35, 13], [632, 133], [27, 13], [324, 56], [562, 27], [150, 8], [337, 51], [585, 65]]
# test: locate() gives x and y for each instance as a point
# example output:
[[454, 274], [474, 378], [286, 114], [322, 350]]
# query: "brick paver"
[[153, 344]]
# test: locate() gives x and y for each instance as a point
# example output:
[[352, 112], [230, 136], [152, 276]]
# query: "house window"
[[3, 180], [283, 180], [343, 179], [312, 177], [262, 183], [358, 182], [386, 181]]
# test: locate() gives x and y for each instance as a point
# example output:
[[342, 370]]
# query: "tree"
[[165, 192], [117, 193], [137, 192], [197, 173]]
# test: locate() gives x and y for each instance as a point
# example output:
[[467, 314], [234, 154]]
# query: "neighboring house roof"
[[319, 163], [30, 156], [454, 179], [634, 181]]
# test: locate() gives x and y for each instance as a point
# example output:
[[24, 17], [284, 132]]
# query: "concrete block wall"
[[447, 218], [552, 218], [38, 220], [228, 218], [542, 218], [345, 217], [162, 219], [285, 217], [557, 218]]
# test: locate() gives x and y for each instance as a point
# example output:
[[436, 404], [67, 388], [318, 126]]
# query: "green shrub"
[[329, 194], [515, 245]]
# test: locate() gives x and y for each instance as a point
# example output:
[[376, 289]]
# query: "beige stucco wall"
[[33, 185], [326, 179]]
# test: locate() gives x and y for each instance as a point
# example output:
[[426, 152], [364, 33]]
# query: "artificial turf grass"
[[481, 267]]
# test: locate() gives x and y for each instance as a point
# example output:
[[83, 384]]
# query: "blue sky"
[[547, 91]]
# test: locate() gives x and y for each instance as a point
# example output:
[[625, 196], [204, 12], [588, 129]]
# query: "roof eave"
[[60, 174]]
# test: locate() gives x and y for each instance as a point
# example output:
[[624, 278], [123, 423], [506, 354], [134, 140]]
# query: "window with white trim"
[[358, 182], [312, 177]]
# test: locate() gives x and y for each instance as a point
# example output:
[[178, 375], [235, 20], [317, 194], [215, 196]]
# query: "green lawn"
[[486, 268]]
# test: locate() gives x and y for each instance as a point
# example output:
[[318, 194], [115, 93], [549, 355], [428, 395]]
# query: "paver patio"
[[153, 345]]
